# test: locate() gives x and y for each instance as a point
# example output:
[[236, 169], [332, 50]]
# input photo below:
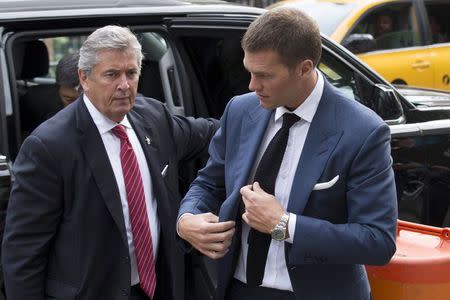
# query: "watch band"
[[280, 231]]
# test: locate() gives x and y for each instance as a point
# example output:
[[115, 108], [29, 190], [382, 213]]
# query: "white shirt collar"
[[308, 108], [103, 123]]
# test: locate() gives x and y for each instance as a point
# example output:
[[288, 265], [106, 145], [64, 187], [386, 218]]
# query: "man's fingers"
[[258, 189], [219, 237], [210, 217], [246, 191], [220, 227], [215, 245], [245, 218], [213, 254]]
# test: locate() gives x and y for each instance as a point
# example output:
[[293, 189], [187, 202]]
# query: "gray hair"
[[109, 37]]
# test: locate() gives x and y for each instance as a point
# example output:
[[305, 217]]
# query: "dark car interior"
[[37, 102]]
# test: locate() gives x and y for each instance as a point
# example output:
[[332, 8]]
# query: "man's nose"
[[123, 82], [254, 84]]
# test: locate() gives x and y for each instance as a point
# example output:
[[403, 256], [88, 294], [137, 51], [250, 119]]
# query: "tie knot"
[[120, 132], [289, 120]]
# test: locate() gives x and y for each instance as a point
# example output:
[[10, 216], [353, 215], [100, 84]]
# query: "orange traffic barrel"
[[419, 270]]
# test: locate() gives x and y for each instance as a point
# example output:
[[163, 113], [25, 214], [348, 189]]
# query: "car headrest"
[[31, 59]]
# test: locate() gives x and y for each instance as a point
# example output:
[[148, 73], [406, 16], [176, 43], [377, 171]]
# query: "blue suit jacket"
[[338, 229]]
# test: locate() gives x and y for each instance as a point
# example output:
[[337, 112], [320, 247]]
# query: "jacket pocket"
[[58, 290]]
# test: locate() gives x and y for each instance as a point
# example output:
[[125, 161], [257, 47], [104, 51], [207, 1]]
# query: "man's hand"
[[206, 234], [262, 210]]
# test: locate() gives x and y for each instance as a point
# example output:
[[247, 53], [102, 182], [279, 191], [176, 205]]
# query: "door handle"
[[421, 64]]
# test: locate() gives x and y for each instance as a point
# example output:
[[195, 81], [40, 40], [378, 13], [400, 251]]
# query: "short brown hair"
[[288, 31]]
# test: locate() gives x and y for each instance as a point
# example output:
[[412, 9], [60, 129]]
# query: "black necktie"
[[266, 174]]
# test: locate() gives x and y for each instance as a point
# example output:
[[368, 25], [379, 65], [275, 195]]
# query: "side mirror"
[[386, 104], [360, 43]]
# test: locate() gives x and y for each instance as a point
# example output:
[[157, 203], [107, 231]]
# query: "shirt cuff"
[[179, 219], [291, 227]]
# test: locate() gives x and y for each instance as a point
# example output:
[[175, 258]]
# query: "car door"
[[437, 27], [399, 56], [5, 174], [209, 49]]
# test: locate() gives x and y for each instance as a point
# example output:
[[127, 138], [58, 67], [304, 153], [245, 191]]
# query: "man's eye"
[[110, 75], [132, 74]]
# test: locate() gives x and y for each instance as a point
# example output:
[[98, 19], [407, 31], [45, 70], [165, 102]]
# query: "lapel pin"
[[148, 140]]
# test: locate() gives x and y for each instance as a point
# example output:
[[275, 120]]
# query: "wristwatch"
[[280, 233]]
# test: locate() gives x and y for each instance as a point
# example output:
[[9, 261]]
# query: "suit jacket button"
[[293, 268], [124, 292]]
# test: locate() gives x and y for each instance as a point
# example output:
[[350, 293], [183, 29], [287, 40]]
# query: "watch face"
[[278, 234]]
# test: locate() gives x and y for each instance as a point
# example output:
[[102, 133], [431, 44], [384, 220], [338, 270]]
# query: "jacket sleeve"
[[208, 190], [192, 135], [33, 215]]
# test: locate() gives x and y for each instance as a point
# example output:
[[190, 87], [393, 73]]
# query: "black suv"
[[193, 64]]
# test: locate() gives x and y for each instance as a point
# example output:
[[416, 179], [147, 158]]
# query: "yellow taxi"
[[406, 41]]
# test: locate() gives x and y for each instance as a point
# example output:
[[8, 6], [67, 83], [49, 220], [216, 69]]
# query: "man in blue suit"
[[331, 207]]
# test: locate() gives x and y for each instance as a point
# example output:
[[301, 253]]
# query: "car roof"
[[36, 9]]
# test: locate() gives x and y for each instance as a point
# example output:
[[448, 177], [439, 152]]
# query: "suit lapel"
[[320, 141], [97, 159], [150, 143], [254, 125]]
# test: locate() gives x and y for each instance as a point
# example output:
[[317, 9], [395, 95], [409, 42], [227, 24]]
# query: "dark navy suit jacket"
[[338, 229], [65, 234]]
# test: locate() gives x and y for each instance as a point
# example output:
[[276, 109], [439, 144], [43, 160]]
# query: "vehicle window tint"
[[339, 75], [438, 16], [35, 62], [392, 26], [154, 47], [357, 87], [58, 47], [218, 65]]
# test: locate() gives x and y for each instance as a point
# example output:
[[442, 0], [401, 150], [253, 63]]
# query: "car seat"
[[37, 102]]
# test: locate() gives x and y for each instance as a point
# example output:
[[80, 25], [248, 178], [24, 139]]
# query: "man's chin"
[[266, 105]]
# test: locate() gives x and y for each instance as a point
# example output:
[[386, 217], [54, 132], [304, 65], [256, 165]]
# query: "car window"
[[35, 60], [392, 26], [217, 61], [357, 87], [58, 47], [438, 17]]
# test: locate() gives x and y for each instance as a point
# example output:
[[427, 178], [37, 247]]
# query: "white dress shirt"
[[276, 274], [112, 146]]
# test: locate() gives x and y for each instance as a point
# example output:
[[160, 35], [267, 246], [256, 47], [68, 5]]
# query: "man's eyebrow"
[[111, 70]]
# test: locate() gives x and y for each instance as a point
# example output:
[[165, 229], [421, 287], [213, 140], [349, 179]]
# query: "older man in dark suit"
[[93, 208]]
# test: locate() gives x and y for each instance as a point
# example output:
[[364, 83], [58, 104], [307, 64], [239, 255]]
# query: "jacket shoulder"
[[144, 105]]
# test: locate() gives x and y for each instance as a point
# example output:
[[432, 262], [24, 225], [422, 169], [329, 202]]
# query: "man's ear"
[[305, 67], [83, 79]]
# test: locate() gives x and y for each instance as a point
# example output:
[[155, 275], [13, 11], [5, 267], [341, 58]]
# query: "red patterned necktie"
[[140, 227]]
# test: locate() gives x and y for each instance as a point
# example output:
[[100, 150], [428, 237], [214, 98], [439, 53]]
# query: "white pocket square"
[[325, 185]]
